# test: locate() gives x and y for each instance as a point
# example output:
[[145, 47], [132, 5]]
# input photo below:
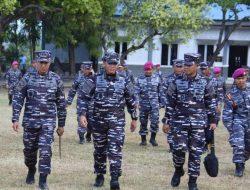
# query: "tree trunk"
[[71, 49]]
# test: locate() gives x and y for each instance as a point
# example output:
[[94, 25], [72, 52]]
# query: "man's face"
[[217, 75], [241, 82], [43, 67], [190, 69], [15, 66], [178, 70], [148, 72], [87, 71], [110, 68], [206, 72]]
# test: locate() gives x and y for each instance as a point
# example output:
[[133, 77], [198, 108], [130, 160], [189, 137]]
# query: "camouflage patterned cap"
[[177, 62], [205, 65], [86, 65], [43, 56], [192, 57], [112, 57]]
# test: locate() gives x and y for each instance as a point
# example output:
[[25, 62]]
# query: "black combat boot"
[[30, 179], [81, 139], [239, 169], [176, 179], [10, 100], [192, 185], [152, 139], [88, 137], [114, 183], [43, 182], [99, 180], [143, 140]]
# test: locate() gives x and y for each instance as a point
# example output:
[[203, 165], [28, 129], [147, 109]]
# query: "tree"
[[73, 25], [230, 14], [171, 20]]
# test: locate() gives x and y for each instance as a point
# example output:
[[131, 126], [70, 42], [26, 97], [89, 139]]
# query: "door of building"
[[237, 58]]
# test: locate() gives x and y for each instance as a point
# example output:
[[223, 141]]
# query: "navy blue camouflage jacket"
[[44, 100], [109, 94]]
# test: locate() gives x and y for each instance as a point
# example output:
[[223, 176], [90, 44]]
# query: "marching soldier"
[[177, 66], [220, 80], [110, 93], [190, 104], [236, 118], [13, 76], [158, 71], [43, 95], [32, 69], [148, 95], [85, 72], [205, 68]]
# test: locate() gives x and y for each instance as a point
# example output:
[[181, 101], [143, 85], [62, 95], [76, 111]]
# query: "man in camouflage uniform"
[[148, 92], [236, 118], [190, 104], [220, 80], [158, 71], [44, 99], [85, 72], [32, 69], [177, 66], [124, 71], [110, 93], [205, 68], [13, 76]]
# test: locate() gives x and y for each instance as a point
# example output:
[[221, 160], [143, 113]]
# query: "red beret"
[[239, 73], [158, 65], [14, 63], [217, 70], [148, 65]]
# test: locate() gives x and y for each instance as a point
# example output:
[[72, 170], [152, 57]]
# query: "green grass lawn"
[[144, 168]]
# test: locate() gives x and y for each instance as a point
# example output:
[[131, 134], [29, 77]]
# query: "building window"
[[210, 51], [117, 47], [201, 50], [121, 47], [168, 53], [206, 52]]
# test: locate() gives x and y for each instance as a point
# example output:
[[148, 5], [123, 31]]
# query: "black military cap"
[[177, 62], [192, 57], [43, 56]]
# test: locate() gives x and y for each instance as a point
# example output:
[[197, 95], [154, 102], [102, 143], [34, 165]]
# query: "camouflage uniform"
[[188, 102], [148, 94], [110, 94], [31, 70], [44, 101], [168, 80], [79, 80], [13, 76], [236, 118]]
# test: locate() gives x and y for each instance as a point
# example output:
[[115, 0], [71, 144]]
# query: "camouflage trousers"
[[108, 138], [240, 141], [189, 139], [153, 115], [35, 139]]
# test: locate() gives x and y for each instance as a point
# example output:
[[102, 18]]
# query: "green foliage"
[[7, 7], [170, 19]]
